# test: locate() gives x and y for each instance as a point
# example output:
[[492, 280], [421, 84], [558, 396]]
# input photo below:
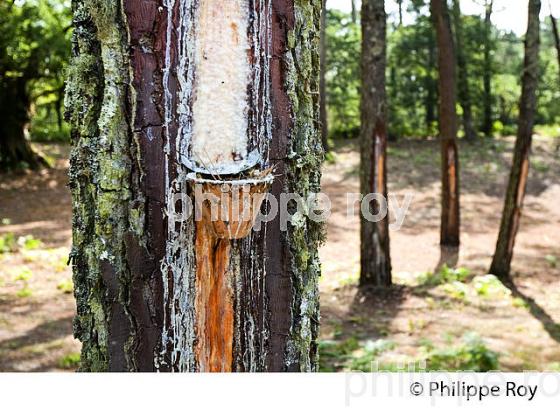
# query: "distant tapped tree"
[[165, 98], [450, 210], [511, 216], [375, 254]]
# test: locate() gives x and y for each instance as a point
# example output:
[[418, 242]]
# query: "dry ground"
[[36, 309]]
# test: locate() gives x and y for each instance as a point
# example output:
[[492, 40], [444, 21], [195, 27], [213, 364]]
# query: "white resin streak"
[[254, 121]]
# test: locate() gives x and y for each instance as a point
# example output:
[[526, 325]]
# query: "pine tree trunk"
[[450, 217], [556, 38], [487, 122], [155, 290], [15, 150], [501, 263], [323, 79], [430, 102], [464, 89], [375, 256]]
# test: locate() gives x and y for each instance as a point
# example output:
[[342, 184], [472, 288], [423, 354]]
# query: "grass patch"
[[70, 361], [66, 286], [445, 275]]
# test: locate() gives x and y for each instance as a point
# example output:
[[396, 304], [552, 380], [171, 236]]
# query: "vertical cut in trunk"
[[511, 216], [450, 217], [162, 96], [375, 254]]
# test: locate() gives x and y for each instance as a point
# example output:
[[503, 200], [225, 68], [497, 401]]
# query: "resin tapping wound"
[[223, 74]]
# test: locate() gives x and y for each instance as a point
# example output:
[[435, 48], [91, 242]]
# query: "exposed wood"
[[375, 253], [450, 214], [513, 206], [154, 290]]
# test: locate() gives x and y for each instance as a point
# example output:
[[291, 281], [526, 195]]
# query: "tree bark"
[[450, 217], [15, 150], [464, 89], [155, 290], [511, 216], [375, 255], [431, 99], [556, 38], [323, 79], [488, 122]]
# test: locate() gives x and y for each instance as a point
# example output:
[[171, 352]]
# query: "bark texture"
[[501, 263], [375, 255], [450, 217], [137, 258], [323, 80], [15, 150], [556, 38], [487, 121], [463, 78]]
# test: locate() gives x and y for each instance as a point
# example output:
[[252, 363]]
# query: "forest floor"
[[448, 318]]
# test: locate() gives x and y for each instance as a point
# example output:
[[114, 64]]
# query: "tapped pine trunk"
[[513, 206], [450, 210], [155, 290], [375, 253]]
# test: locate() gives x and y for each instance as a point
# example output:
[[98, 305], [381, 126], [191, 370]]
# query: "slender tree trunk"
[[15, 150], [375, 255], [556, 38], [431, 88], [157, 287], [450, 217], [323, 79], [501, 263], [400, 4], [354, 12], [487, 122], [464, 89]]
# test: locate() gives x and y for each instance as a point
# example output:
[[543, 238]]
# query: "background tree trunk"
[[501, 263], [464, 89], [450, 218], [488, 122], [375, 255], [354, 12], [139, 262], [556, 38], [323, 79], [15, 150]]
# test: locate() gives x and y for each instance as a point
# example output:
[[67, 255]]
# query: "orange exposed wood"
[[214, 302]]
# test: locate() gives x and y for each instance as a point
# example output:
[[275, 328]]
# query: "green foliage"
[[7, 243], [70, 361], [490, 286], [446, 275], [66, 286], [412, 76], [472, 355], [343, 75], [29, 243], [24, 292], [23, 275], [34, 51]]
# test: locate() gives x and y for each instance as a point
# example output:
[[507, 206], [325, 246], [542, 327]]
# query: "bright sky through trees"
[[508, 15]]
